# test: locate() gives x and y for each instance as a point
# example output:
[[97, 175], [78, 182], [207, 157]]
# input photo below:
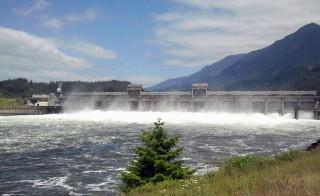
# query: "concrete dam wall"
[[198, 100]]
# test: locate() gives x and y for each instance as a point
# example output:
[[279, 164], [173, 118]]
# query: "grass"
[[10, 102], [290, 173]]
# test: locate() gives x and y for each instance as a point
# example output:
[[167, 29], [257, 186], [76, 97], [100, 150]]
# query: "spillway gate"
[[200, 99]]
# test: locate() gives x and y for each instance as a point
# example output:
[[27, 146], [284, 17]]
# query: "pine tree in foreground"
[[156, 160]]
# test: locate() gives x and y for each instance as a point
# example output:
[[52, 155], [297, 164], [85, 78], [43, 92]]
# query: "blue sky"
[[143, 41]]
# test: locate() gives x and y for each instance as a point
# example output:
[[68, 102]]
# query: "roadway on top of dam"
[[235, 93]]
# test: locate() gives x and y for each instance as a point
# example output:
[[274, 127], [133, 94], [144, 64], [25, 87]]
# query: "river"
[[84, 152]]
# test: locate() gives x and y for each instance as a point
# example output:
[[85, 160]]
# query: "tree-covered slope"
[[209, 71], [289, 64], [292, 63], [23, 88]]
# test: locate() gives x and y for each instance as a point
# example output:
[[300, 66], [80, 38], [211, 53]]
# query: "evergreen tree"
[[156, 160]]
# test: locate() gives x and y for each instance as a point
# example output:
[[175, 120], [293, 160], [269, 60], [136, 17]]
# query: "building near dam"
[[199, 99]]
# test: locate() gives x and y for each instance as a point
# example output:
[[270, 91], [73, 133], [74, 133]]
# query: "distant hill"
[[292, 63], [23, 88], [209, 71]]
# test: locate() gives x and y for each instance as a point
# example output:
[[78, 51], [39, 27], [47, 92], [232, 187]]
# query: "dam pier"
[[200, 99]]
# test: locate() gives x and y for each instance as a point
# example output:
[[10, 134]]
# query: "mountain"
[[292, 63], [209, 71]]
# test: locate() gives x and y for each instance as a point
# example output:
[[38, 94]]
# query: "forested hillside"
[[292, 63], [22, 87]]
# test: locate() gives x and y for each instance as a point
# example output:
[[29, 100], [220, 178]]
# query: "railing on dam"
[[28, 110], [209, 93], [265, 93], [19, 110]]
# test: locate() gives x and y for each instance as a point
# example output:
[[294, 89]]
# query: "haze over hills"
[[292, 63], [209, 71]]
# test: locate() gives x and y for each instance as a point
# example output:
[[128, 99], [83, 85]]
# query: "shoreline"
[[253, 175]]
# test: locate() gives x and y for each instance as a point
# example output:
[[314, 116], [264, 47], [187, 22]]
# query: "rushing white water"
[[170, 117], [84, 152]]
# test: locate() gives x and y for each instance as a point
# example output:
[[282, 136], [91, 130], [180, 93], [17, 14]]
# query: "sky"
[[142, 41]]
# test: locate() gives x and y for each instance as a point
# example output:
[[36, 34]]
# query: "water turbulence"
[[84, 152], [172, 117]]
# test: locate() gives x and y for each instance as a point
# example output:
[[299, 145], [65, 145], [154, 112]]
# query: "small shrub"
[[289, 156], [243, 164], [155, 161], [290, 173]]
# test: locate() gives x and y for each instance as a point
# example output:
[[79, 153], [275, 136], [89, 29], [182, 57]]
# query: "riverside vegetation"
[[11, 102], [295, 172], [156, 160], [21, 87]]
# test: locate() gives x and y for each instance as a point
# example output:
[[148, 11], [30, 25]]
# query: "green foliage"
[[241, 165], [6, 102], [289, 155], [290, 173], [15, 88], [155, 161], [23, 88]]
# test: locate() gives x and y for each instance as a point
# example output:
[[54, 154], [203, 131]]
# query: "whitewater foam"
[[49, 183], [168, 117], [93, 147]]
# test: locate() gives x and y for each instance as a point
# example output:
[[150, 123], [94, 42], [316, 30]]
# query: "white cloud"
[[54, 23], [89, 49], [37, 6], [87, 15], [26, 55], [194, 33]]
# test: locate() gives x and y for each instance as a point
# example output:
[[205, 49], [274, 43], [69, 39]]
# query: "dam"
[[200, 99]]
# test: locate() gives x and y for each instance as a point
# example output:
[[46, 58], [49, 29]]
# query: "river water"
[[83, 153]]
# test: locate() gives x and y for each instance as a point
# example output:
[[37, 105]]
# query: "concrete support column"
[[192, 106], [266, 105], [153, 105], [297, 108], [316, 109], [205, 107], [282, 106], [178, 106], [220, 103], [250, 104], [296, 113], [235, 108]]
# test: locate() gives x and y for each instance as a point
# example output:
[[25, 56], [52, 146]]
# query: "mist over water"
[[84, 152], [172, 117]]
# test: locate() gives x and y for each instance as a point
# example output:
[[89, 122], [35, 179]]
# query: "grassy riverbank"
[[291, 173], [10, 102]]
